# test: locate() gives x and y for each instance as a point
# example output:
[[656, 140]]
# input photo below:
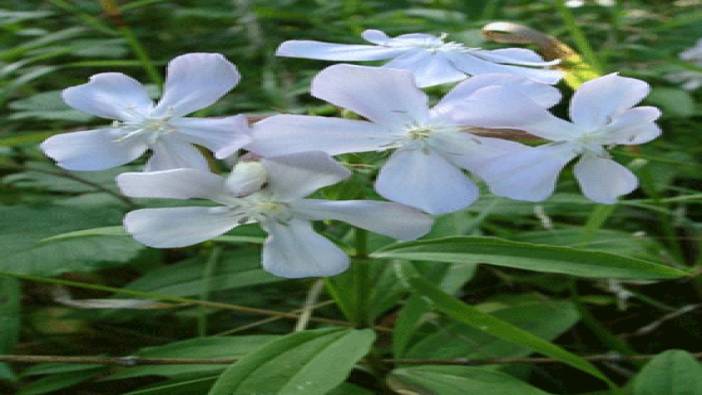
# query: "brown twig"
[[130, 361]]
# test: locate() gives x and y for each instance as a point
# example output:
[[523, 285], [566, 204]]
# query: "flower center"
[[419, 132], [432, 44], [151, 128], [257, 207], [590, 143]]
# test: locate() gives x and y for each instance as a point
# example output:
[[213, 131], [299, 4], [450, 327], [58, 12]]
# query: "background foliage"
[[73, 284]]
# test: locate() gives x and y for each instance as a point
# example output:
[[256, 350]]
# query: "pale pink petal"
[[110, 95], [424, 179], [604, 180], [385, 96], [597, 102], [295, 176], [195, 81], [92, 150], [390, 219], [178, 226], [294, 250], [285, 134]]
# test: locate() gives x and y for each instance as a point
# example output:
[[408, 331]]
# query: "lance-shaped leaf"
[[457, 380], [496, 327], [528, 256], [304, 363]]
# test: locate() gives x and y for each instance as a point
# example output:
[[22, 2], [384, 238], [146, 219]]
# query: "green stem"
[[207, 273], [89, 20], [142, 55], [360, 277], [579, 38]]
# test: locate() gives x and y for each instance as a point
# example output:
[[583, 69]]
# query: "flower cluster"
[[435, 156], [690, 79]]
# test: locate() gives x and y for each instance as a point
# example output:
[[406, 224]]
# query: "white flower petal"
[[529, 174], [633, 127], [375, 36], [516, 56], [429, 69], [92, 150], [340, 52], [390, 219], [424, 179], [544, 95], [223, 136], [195, 81], [172, 184], [285, 134], [471, 64], [385, 96], [502, 107], [172, 153], [471, 152], [110, 95], [604, 180], [177, 226], [294, 250], [598, 101], [297, 175]]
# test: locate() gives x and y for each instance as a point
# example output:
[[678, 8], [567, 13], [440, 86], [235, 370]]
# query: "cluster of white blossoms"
[[434, 154], [690, 79]]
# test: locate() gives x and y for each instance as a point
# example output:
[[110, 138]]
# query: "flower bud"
[[246, 178]]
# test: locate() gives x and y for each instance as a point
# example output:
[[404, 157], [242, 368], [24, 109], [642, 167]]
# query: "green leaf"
[[349, 389], [496, 327], [23, 229], [203, 347], [50, 384], [528, 256], [10, 295], [674, 102], [305, 363], [544, 318], [237, 269], [198, 385], [674, 372], [457, 380], [449, 277]]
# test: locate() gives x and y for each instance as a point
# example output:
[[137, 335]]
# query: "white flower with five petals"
[[431, 59], [271, 192], [430, 145], [602, 115], [194, 81]]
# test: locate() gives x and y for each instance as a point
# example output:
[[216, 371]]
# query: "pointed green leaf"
[[457, 380], [496, 327], [528, 256], [303, 363], [674, 372]]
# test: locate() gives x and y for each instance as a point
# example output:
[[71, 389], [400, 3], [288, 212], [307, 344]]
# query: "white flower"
[[430, 145], [602, 114], [431, 59], [691, 80], [194, 81], [293, 249], [693, 54]]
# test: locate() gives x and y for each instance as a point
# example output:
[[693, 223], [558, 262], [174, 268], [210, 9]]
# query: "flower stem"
[[360, 277], [112, 10], [579, 38], [207, 273]]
